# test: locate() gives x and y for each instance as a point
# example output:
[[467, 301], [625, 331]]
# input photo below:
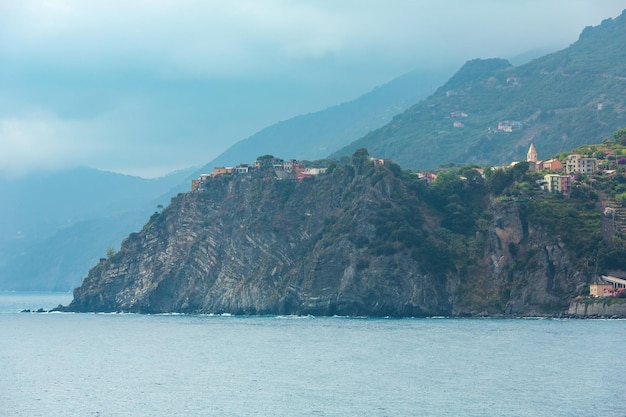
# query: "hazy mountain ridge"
[[316, 135], [86, 211], [58, 224], [562, 100]]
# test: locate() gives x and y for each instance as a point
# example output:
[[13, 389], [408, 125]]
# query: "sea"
[[68, 364]]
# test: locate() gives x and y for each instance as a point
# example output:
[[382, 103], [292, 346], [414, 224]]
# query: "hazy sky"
[[149, 86]]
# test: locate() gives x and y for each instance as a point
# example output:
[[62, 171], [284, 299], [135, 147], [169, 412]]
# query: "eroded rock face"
[[541, 275], [254, 245]]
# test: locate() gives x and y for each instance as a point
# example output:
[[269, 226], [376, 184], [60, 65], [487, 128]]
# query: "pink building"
[[552, 165]]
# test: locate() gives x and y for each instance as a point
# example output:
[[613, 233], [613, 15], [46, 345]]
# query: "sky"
[[146, 87]]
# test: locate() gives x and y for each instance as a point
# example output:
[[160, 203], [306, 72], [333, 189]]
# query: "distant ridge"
[[316, 135], [59, 224], [559, 101], [50, 246]]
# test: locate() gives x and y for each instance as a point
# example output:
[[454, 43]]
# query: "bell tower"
[[531, 156]]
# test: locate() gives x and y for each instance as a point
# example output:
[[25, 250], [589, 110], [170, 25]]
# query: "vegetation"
[[562, 100], [110, 252], [443, 226]]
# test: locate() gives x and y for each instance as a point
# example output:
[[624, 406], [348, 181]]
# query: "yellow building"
[[601, 290]]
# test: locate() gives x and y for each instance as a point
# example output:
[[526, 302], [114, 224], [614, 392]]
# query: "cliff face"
[[337, 244]]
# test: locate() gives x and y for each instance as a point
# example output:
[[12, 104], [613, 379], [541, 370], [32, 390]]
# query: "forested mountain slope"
[[490, 111]]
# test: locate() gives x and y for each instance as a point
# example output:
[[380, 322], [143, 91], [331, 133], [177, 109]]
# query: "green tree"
[[110, 252], [519, 170], [599, 155], [360, 158], [499, 180], [620, 136], [447, 185]]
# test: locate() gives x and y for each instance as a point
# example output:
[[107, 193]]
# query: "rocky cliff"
[[359, 240]]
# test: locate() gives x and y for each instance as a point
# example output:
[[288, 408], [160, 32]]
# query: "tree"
[[499, 180], [519, 170], [620, 136], [359, 158], [110, 252], [448, 184]]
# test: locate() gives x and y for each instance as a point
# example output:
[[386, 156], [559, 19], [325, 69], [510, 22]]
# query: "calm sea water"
[[169, 365]]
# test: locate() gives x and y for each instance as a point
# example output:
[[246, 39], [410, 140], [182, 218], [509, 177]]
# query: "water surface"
[[167, 365]]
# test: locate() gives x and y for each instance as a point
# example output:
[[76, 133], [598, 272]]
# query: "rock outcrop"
[[345, 243]]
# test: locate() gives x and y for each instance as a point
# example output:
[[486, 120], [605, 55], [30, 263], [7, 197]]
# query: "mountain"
[[58, 224], [364, 239], [316, 135], [490, 111]]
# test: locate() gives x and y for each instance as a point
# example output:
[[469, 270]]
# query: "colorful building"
[[577, 165], [552, 165], [601, 290], [556, 183]]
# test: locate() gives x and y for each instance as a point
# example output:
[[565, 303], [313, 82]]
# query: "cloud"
[[225, 38], [143, 84], [42, 142]]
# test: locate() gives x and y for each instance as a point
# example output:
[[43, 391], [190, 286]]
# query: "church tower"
[[531, 156]]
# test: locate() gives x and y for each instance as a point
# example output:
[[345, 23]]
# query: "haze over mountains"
[[60, 224], [57, 224], [316, 135], [50, 236]]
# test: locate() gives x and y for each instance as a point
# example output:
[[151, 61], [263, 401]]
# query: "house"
[[556, 183], [269, 161], [218, 171], [242, 169], [291, 165], [315, 171], [377, 161], [602, 290], [278, 163], [458, 113], [579, 165], [552, 165], [509, 125], [427, 177], [197, 183], [504, 127], [457, 124]]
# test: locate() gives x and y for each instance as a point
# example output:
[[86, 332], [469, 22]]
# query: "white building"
[[576, 164]]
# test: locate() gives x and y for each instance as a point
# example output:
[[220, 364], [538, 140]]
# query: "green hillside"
[[560, 101]]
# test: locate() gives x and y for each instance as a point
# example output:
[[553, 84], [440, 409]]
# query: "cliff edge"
[[361, 240]]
